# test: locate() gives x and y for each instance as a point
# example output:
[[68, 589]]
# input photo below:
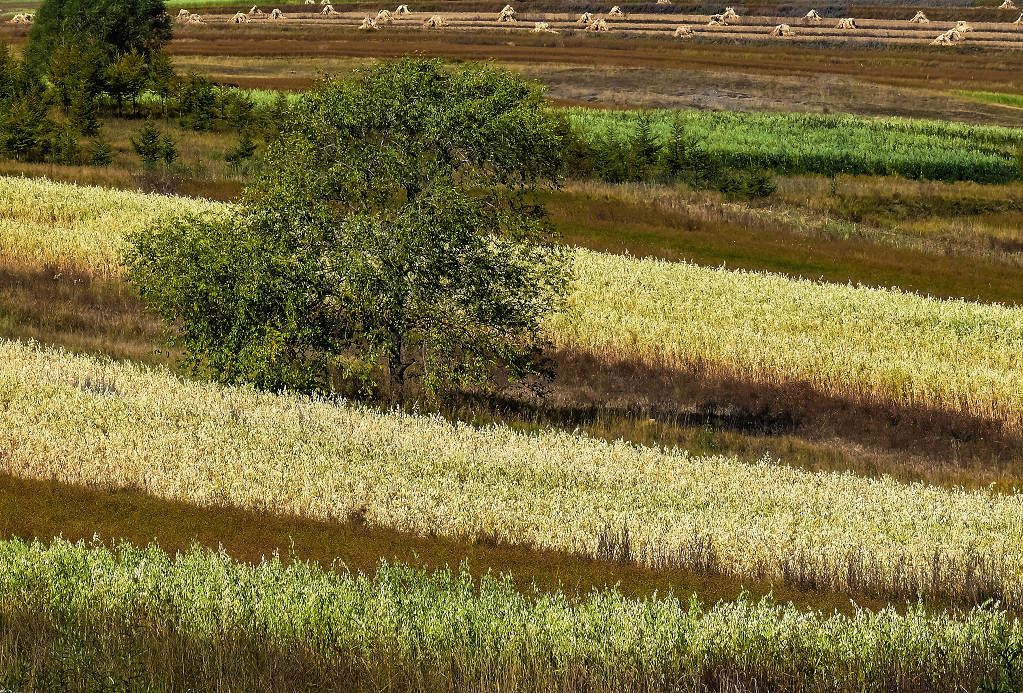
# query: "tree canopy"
[[115, 26], [394, 226]]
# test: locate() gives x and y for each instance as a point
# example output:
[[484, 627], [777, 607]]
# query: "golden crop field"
[[878, 345], [107, 425]]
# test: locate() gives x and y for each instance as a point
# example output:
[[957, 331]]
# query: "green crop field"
[[186, 620], [834, 144]]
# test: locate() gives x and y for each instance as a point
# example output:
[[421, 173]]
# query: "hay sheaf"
[[507, 14]]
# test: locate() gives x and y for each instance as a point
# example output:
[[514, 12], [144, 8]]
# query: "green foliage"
[[8, 72], [126, 77], [77, 67], [117, 26], [65, 147], [828, 144], [154, 147], [163, 80], [83, 114], [645, 145], [196, 102], [236, 109], [100, 153], [25, 131], [391, 224], [243, 152]]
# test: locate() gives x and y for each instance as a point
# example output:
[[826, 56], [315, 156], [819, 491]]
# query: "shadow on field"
[[44, 509]]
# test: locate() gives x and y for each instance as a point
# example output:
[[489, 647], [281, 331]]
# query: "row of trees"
[[641, 156], [88, 58]]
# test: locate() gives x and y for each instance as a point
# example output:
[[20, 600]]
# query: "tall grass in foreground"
[[97, 423], [81, 618], [881, 346]]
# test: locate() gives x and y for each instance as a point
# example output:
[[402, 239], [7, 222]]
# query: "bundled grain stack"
[[434, 22], [276, 14], [962, 27], [663, 2], [598, 25], [729, 14], [402, 11], [1007, 5], [240, 18], [543, 28], [812, 17], [717, 20], [196, 19], [782, 30], [22, 18], [368, 24], [256, 12], [507, 14], [183, 15], [309, 2], [684, 31], [948, 38], [584, 18], [616, 13], [846, 23], [920, 18], [384, 17], [328, 11]]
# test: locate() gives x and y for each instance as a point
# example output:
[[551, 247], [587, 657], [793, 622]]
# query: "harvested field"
[[868, 32]]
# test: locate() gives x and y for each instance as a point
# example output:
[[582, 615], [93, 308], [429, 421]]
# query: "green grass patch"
[[833, 144], [140, 619], [1000, 98]]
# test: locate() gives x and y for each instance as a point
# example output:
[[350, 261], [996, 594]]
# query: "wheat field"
[[102, 424], [868, 344]]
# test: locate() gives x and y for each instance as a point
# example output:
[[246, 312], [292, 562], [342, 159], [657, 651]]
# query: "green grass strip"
[[76, 617]]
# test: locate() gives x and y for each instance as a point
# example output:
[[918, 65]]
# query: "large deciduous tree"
[[394, 225]]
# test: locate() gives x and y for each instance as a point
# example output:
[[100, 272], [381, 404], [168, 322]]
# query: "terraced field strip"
[[986, 34], [159, 622], [949, 357], [105, 425]]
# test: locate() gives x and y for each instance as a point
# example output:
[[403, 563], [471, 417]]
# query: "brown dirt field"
[[757, 28], [920, 66]]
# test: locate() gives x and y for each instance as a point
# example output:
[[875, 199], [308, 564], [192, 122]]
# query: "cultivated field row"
[[186, 620], [106, 425], [879, 346], [871, 31]]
